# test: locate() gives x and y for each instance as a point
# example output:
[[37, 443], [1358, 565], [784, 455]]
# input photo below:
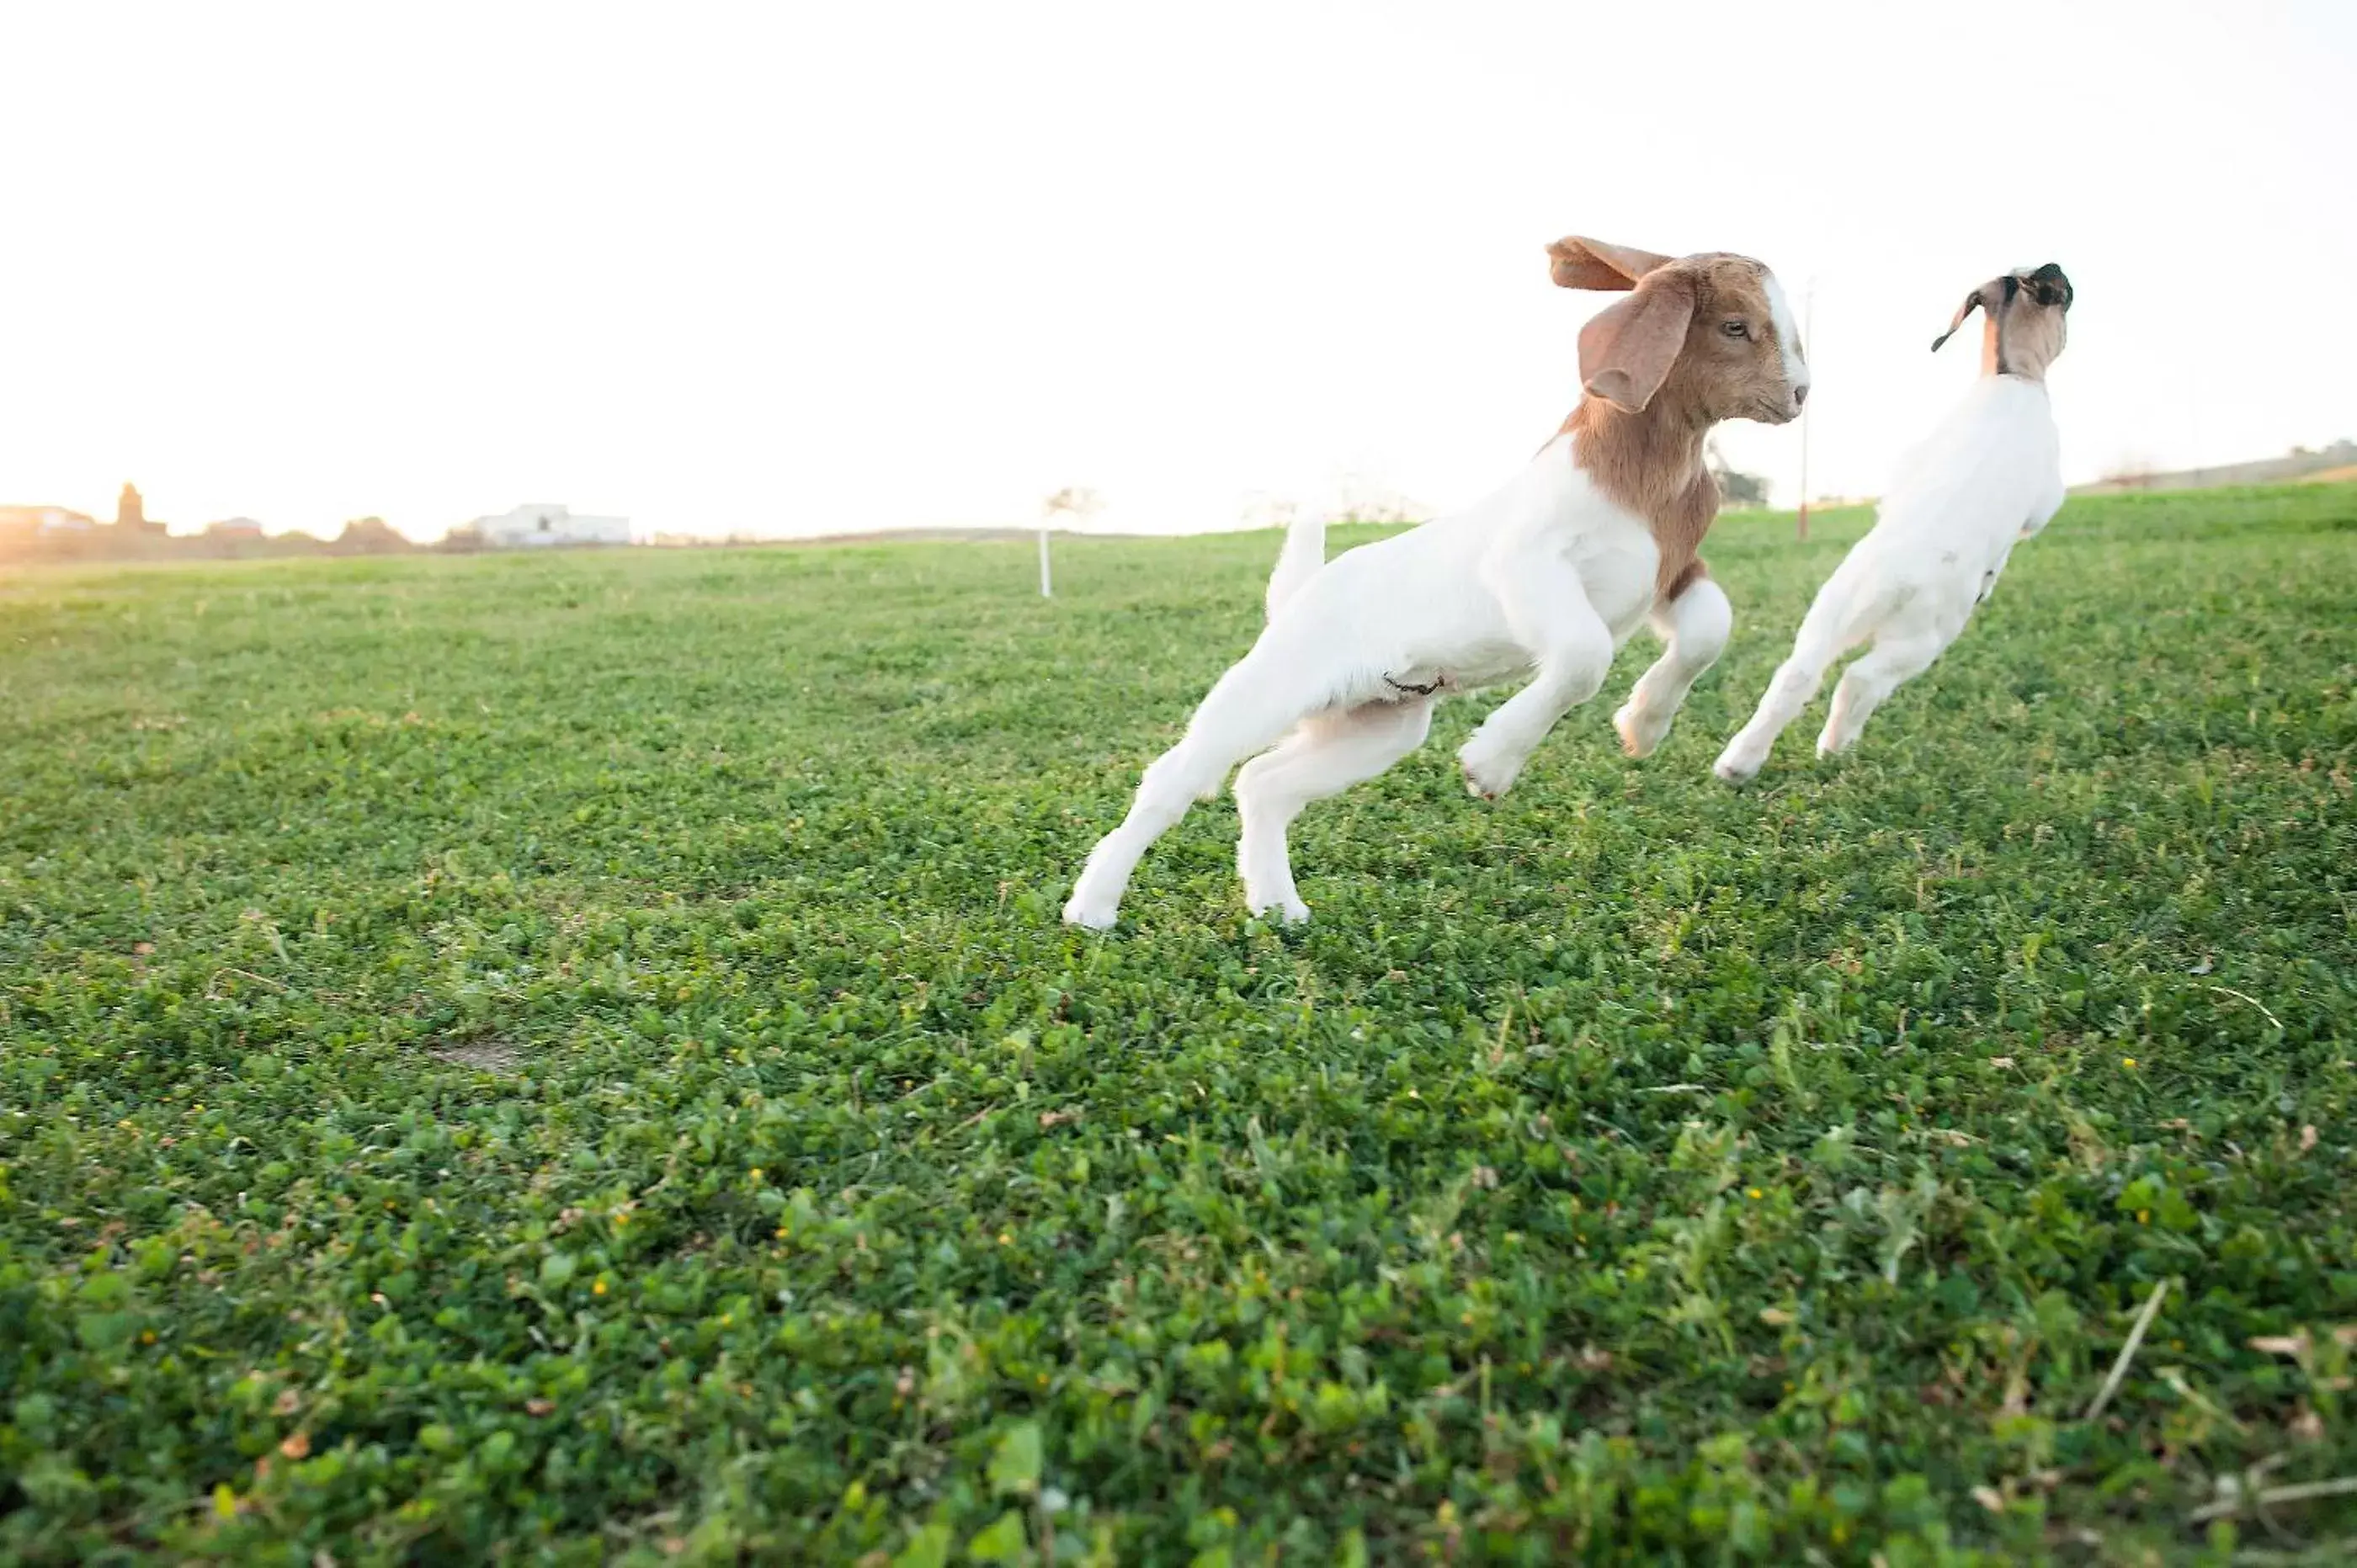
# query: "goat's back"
[[1984, 469]]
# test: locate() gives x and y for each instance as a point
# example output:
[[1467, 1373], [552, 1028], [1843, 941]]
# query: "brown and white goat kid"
[[1545, 578], [1990, 476]]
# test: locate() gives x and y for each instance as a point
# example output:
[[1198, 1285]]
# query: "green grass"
[[573, 1060]]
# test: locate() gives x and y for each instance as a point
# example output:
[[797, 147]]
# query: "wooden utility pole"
[[1808, 337]]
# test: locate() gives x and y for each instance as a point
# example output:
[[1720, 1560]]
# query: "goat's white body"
[[1431, 603], [1544, 578], [1990, 476]]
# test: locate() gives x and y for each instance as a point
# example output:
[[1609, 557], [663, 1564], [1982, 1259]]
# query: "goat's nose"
[[1800, 394]]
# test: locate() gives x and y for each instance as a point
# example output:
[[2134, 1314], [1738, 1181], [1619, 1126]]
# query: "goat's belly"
[[1458, 670], [1492, 667]]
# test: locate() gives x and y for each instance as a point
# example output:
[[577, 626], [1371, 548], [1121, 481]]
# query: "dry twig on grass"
[[2127, 1351]]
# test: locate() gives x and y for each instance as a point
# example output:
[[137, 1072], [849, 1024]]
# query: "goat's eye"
[[1735, 328]]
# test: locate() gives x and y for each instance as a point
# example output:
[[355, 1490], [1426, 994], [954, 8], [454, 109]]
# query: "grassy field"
[[573, 1060]]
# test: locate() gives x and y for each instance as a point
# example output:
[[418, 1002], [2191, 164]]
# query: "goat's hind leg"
[[1814, 647], [1795, 683], [1692, 627], [1249, 707], [1326, 754]]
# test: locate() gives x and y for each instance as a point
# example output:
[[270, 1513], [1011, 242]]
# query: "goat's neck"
[[1998, 358], [1650, 463], [1646, 462]]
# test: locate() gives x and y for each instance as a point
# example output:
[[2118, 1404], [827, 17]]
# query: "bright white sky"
[[806, 268]]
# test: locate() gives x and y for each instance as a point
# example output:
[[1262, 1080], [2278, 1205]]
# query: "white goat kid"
[[1988, 476], [1545, 578]]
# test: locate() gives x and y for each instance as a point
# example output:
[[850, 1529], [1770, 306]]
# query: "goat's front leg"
[[1865, 684], [1693, 629], [1818, 643], [1547, 609]]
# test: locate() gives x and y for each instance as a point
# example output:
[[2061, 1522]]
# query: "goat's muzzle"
[[2049, 285]]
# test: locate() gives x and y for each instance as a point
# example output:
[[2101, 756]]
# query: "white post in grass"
[[1072, 501]]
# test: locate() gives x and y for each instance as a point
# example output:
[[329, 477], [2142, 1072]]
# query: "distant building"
[[1349, 498], [233, 528], [548, 524], [131, 512], [43, 520]]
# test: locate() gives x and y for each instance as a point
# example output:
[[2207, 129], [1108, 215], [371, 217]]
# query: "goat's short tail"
[[1304, 554]]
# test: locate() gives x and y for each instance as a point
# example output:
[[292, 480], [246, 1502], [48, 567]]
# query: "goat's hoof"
[[1289, 911], [1486, 776], [1091, 916], [1734, 767], [1638, 735]]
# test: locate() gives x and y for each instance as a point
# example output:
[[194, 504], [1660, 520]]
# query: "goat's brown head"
[[1708, 337], [2026, 310]]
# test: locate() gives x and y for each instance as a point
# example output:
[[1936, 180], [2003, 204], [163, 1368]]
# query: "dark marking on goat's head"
[[2049, 285], [2025, 310]]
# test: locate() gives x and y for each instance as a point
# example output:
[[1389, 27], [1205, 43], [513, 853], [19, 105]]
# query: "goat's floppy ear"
[[1591, 264], [1626, 350], [1971, 300]]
